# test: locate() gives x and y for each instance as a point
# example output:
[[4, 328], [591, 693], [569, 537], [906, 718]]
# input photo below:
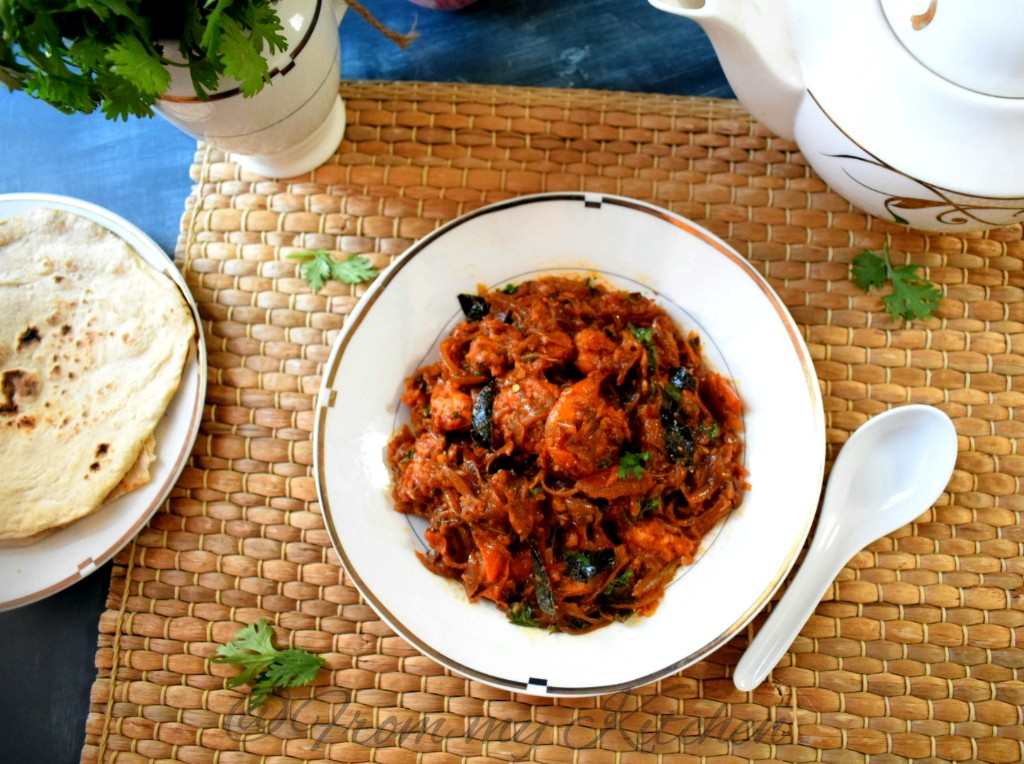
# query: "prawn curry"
[[569, 451]]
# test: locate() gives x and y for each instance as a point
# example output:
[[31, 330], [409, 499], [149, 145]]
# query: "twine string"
[[401, 40]]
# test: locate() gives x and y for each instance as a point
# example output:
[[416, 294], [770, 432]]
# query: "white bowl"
[[748, 335]]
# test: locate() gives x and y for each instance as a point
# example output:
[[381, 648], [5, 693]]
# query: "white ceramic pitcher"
[[295, 123], [911, 109]]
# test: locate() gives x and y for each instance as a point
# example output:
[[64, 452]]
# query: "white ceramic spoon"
[[887, 474]]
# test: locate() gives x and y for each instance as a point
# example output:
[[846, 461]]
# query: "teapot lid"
[[974, 45], [887, 101]]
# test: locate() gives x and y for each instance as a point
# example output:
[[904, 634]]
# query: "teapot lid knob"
[[974, 45]]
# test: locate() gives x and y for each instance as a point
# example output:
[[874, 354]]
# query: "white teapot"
[[913, 110]]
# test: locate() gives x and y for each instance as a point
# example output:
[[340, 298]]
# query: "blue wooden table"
[[139, 170]]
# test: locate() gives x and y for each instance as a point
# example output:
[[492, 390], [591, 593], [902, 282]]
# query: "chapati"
[[93, 341]]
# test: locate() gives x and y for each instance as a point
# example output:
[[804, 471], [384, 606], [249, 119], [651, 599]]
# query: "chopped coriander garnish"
[[649, 506], [672, 392], [521, 614], [631, 466], [509, 288], [619, 581], [711, 431], [645, 335], [642, 333]]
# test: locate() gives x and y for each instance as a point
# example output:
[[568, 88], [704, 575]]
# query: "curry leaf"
[[542, 585], [353, 270], [583, 566]]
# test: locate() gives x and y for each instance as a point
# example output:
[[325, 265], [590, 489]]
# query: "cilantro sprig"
[[319, 267], [911, 295], [78, 55], [264, 666]]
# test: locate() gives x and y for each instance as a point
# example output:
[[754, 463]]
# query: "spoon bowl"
[[888, 473]]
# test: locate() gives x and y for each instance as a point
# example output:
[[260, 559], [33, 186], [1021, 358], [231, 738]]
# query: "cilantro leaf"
[[121, 99], [645, 336], [252, 650], [78, 55], [711, 431], [204, 76], [240, 60], [264, 27], [619, 581], [261, 690], [521, 614], [129, 58], [631, 466], [216, 12], [869, 270], [293, 668], [911, 295], [316, 271], [320, 267], [87, 53], [354, 270], [649, 506], [264, 666]]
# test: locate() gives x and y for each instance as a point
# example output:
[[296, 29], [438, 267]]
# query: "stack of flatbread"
[[93, 341]]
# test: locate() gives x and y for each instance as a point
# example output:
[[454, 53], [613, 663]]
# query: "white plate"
[[748, 335], [30, 573]]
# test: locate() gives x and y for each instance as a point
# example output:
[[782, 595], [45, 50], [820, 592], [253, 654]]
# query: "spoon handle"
[[788, 617]]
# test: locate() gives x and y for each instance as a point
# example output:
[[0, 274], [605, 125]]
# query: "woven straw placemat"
[[914, 653]]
